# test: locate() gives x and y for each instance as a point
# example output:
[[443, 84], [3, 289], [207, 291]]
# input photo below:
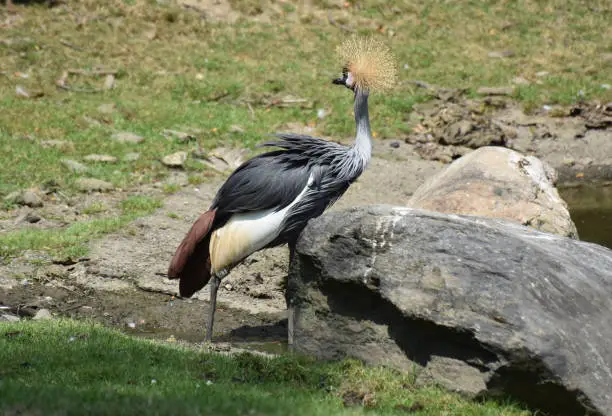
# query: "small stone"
[[568, 161], [74, 166], [7, 317], [91, 121], [12, 197], [21, 92], [107, 108], [228, 287], [606, 86], [175, 160], [32, 218], [495, 90], [180, 136], [109, 82], [42, 314], [30, 199], [62, 145], [131, 157], [394, 144], [520, 81], [101, 158], [234, 128], [127, 137], [92, 185], [321, 113], [501, 54]]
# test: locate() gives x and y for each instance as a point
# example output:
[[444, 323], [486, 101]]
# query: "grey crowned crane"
[[268, 200]]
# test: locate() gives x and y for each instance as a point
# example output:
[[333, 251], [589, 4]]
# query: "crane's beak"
[[339, 81]]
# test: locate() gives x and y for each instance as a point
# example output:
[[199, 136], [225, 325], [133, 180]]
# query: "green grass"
[[179, 71], [69, 242], [69, 368]]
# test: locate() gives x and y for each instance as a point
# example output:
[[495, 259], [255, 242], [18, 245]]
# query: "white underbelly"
[[244, 234]]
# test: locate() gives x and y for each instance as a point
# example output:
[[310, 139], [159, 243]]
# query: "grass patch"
[[69, 242], [179, 71], [95, 208], [69, 368]]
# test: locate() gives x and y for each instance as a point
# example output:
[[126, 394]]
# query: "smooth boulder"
[[500, 183], [482, 306]]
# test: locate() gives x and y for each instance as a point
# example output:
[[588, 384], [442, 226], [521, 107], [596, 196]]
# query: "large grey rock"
[[481, 305], [501, 183]]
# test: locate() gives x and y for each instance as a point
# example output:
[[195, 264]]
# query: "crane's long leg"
[[214, 285]]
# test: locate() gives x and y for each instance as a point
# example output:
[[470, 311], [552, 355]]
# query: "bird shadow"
[[273, 332]]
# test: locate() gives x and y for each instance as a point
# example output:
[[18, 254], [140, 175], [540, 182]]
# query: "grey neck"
[[363, 139]]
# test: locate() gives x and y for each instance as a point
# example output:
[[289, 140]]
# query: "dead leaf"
[[223, 159]]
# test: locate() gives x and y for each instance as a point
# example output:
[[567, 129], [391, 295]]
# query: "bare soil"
[[122, 283]]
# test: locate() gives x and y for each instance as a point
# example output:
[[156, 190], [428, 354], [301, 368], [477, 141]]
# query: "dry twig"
[[338, 25], [71, 46]]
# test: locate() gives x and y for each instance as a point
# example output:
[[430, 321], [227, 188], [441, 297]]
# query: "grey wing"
[[268, 181], [275, 179]]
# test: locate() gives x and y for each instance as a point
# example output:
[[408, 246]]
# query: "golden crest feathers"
[[370, 62]]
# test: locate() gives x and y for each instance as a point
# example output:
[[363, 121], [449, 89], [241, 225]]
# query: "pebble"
[[107, 108], [175, 160], [131, 157], [7, 317], [180, 136], [42, 314], [30, 199], [92, 184], [74, 166], [62, 145], [101, 158], [520, 81], [127, 137], [501, 54], [32, 218], [495, 90]]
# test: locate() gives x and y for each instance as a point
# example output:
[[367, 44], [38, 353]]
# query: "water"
[[268, 346], [591, 210]]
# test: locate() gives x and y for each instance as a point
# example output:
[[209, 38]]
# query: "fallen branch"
[[62, 84], [338, 25], [285, 102], [423, 84], [95, 72], [218, 96], [71, 46]]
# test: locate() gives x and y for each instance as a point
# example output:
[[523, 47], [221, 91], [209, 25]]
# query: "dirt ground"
[[122, 283]]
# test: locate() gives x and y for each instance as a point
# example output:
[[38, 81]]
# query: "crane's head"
[[367, 65]]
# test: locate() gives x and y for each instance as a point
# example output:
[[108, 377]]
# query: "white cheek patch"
[[349, 80]]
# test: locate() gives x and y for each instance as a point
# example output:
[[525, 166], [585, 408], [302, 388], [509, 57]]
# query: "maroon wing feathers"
[[191, 262]]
